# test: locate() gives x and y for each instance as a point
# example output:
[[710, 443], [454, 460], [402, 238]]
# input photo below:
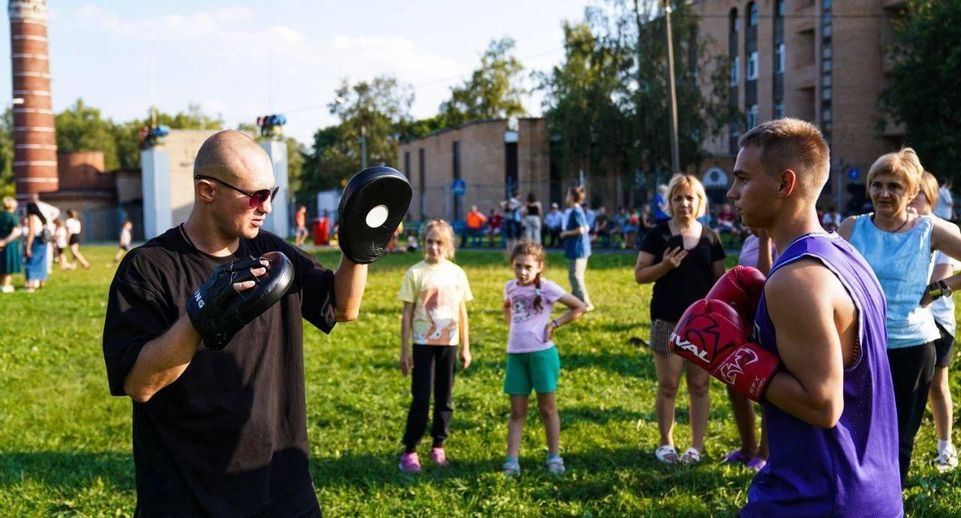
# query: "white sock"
[[943, 445]]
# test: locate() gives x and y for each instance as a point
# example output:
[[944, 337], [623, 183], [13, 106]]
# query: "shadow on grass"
[[592, 476], [67, 471], [637, 366], [597, 415]]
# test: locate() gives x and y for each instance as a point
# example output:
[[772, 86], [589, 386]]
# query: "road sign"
[[458, 187]]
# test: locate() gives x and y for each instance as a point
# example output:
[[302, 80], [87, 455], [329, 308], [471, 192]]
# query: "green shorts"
[[538, 370]]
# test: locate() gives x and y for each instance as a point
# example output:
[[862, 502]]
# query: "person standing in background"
[[577, 245], [73, 237], [945, 206], [533, 211], [10, 254], [300, 219]]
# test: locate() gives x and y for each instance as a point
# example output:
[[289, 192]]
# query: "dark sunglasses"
[[257, 198]]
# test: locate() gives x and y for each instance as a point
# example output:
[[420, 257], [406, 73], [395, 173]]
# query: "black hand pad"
[[217, 311], [374, 202]]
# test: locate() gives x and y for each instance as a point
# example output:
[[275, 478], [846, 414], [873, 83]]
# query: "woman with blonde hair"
[[939, 395], [899, 244], [683, 258], [10, 254]]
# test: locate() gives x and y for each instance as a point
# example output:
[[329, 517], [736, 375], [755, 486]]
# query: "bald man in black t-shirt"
[[220, 433]]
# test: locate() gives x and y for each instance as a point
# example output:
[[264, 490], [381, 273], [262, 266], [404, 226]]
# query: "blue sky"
[[240, 59]]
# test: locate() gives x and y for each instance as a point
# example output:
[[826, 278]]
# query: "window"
[[779, 110], [779, 8], [826, 80], [826, 115], [752, 66], [735, 70], [752, 116], [779, 59], [735, 22], [752, 14], [826, 93], [826, 65], [826, 52]]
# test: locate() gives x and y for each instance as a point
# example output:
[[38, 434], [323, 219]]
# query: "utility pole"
[[675, 154], [363, 147]]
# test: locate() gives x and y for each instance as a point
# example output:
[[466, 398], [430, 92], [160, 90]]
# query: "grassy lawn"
[[65, 442]]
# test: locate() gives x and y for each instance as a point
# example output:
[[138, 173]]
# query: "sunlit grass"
[[65, 442]]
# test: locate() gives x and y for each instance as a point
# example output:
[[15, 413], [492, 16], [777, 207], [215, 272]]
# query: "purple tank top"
[[851, 469]]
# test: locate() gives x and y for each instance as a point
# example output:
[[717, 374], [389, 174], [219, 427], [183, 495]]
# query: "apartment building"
[[824, 61]]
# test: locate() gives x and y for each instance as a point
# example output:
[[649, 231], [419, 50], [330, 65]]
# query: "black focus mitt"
[[217, 311], [374, 202]]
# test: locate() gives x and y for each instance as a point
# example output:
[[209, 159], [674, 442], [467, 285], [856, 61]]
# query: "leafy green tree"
[[609, 99], [493, 91], [81, 128], [7, 186], [925, 90], [580, 98], [373, 115], [128, 143]]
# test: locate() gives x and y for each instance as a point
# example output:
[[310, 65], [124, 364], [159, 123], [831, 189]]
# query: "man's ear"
[[204, 191], [788, 182]]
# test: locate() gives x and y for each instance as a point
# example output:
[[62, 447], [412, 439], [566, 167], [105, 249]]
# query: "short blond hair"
[[903, 165], [792, 144], [929, 187], [446, 233], [686, 181], [9, 203]]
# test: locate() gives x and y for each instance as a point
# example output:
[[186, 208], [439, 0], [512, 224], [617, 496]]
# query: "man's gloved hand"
[[374, 202], [741, 288], [711, 335], [217, 310]]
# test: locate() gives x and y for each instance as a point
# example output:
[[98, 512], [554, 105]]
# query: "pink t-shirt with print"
[[527, 324]]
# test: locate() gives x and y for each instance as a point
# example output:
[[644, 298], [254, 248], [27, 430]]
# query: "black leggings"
[[433, 371], [911, 371]]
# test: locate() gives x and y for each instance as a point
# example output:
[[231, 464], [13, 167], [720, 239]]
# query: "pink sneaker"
[[438, 456], [409, 463]]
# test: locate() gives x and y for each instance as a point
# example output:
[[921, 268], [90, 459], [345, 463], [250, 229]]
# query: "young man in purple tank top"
[[815, 353]]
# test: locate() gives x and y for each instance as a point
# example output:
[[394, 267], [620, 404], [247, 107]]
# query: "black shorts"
[[944, 348], [74, 239]]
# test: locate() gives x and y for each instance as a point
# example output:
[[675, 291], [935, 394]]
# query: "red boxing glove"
[[710, 335], [741, 288]]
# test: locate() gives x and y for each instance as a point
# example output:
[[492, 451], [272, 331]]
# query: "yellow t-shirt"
[[437, 291]]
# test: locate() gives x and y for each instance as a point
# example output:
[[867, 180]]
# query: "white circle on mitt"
[[377, 216]]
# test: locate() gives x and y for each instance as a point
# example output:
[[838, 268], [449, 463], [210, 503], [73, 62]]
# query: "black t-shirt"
[[690, 281], [229, 436]]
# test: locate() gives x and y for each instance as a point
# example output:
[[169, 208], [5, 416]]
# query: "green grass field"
[[65, 442]]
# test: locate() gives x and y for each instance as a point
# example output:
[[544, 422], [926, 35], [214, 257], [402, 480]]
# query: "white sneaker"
[[947, 459], [6, 289]]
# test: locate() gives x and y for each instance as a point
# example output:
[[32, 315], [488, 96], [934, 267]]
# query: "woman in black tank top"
[[532, 219]]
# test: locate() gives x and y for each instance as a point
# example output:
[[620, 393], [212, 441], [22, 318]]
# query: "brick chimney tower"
[[35, 142]]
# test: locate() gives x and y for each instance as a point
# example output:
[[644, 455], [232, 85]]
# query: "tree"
[[925, 90], [580, 98], [128, 144], [373, 116], [609, 98], [7, 187], [493, 91], [80, 128]]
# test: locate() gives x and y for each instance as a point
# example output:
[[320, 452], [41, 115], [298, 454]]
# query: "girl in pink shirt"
[[532, 359]]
